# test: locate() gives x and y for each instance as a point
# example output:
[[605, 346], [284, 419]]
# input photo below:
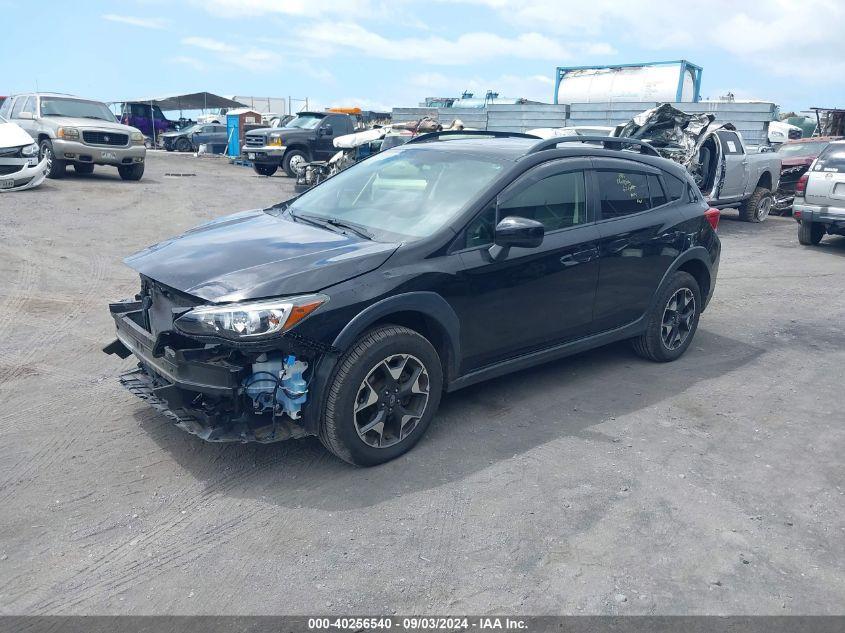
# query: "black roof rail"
[[608, 142], [436, 136]]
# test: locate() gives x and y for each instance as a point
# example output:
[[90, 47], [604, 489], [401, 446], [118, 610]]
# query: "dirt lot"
[[599, 484]]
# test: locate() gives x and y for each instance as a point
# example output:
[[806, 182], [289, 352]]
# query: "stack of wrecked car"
[[716, 156], [360, 145]]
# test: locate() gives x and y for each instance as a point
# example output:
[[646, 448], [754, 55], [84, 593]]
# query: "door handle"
[[578, 257]]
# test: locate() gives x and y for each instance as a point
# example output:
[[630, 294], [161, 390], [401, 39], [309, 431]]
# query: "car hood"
[[13, 135], [286, 131], [253, 255], [96, 124]]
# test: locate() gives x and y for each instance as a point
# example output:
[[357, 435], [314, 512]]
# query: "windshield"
[[802, 149], [53, 106], [305, 122], [404, 193]]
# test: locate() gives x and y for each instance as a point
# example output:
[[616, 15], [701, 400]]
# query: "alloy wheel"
[[678, 318], [391, 400], [764, 208], [46, 153]]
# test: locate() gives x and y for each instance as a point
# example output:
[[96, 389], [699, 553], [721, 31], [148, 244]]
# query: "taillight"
[[712, 216], [801, 185]]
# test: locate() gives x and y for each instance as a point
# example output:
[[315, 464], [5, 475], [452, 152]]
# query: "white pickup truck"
[[716, 156]]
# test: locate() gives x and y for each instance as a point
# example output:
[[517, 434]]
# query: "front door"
[[533, 297], [736, 166], [324, 147]]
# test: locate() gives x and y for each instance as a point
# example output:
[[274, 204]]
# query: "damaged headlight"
[[249, 320], [276, 140], [29, 150]]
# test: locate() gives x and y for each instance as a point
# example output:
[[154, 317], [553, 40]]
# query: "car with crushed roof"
[[347, 312]]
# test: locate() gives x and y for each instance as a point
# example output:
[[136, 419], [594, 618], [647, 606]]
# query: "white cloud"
[[210, 44], [305, 8], [327, 38], [191, 62], [145, 23]]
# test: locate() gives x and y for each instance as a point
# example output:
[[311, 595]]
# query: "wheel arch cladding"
[[427, 313], [694, 262]]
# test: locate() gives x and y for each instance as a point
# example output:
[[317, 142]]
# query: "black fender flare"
[[428, 304], [695, 253]]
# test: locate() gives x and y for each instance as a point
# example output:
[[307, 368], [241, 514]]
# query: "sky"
[[377, 54]]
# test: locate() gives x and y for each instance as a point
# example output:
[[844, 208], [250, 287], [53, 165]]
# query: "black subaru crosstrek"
[[348, 311]]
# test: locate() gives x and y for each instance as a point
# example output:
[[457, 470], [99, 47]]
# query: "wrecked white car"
[[19, 165], [716, 156]]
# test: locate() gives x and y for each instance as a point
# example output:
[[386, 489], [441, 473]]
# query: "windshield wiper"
[[334, 223], [357, 229]]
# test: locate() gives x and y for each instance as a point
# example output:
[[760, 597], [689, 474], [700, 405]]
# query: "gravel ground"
[[600, 484]]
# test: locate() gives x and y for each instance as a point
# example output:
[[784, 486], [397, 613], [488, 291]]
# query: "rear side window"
[[675, 187], [658, 198], [730, 142], [557, 201], [832, 159], [622, 193]]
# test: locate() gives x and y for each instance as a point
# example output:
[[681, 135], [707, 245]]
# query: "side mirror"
[[327, 130], [516, 231], [26, 115]]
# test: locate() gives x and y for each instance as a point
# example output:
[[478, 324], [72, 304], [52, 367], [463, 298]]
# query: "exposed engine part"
[[276, 384]]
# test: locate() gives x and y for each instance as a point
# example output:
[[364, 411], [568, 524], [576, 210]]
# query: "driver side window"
[[557, 201]]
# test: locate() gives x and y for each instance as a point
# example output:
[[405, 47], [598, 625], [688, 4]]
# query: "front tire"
[[265, 169], [55, 167], [292, 160], [382, 397], [672, 321], [810, 233], [183, 145], [131, 172], [757, 207]]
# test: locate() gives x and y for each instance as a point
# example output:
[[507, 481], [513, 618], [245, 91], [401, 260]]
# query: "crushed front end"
[[219, 390]]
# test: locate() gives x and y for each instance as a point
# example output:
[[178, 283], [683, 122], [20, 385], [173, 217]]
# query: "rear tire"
[[265, 169], [757, 207], [673, 320], [810, 233], [83, 168], [56, 167], [363, 392], [131, 172]]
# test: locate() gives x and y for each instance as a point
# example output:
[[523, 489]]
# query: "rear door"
[[534, 297], [826, 184], [737, 172], [639, 239]]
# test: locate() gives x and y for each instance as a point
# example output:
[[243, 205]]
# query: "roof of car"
[[507, 148]]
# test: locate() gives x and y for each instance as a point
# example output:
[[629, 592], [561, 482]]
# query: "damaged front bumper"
[[207, 389], [28, 177]]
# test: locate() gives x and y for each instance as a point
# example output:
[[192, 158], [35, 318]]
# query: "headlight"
[[137, 138], [29, 150], [68, 132], [252, 320], [276, 140]]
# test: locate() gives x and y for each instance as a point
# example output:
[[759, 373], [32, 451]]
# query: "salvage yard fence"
[[751, 118]]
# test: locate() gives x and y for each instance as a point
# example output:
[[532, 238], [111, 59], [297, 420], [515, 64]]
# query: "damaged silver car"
[[715, 154], [19, 165]]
